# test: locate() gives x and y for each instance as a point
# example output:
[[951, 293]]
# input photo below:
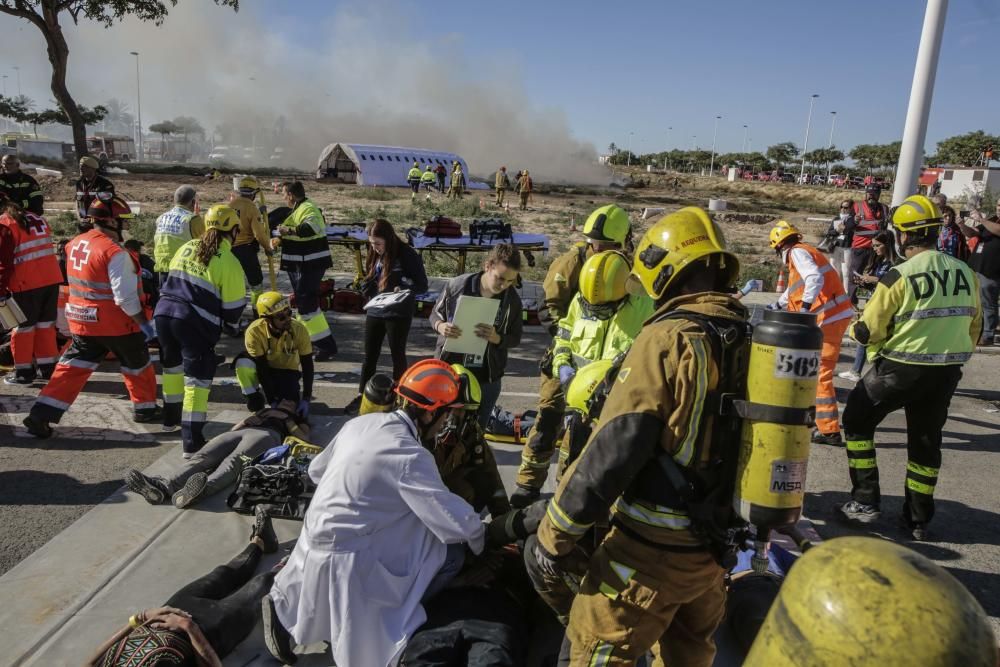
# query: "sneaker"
[[148, 415], [170, 428], [18, 380], [524, 496], [827, 438], [850, 375], [191, 491], [263, 529], [37, 426], [353, 407], [276, 638], [151, 488], [855, 512]]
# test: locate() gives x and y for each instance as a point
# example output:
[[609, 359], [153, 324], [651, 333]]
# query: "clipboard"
[[470, 311]]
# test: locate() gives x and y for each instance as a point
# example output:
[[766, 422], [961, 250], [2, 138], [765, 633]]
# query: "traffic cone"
[[782, 283]]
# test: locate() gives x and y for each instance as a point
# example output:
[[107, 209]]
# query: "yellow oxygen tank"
[[867, 601], [782, 373], [377, 396]]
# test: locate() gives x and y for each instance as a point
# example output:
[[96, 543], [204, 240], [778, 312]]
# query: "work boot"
[[524, 496], [19, 379], [153, 489], [263, 529], [148, 415], [172, 417], [325, 353], [191, 491], [352, 408], [37, 426], [827, 438], [256, 401], [276, 638], [914, 529], [855, 512]]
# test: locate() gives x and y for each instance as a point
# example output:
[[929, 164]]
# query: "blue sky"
[[616, 67]]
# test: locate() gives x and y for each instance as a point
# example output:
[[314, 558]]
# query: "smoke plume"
[[361, 76]]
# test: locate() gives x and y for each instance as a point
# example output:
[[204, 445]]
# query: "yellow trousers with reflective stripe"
[[635, 598]]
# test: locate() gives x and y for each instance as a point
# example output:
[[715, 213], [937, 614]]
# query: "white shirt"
[[810, 273], [124, 282]]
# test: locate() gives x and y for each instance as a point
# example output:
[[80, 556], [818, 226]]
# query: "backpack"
[[346, 301], [487, 232], [440, 227], [286, 489]]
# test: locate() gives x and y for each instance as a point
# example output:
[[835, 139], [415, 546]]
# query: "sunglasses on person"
[[282, 316], [845, 207]]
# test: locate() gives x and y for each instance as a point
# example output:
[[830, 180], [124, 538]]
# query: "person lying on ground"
[[204, 621], [217, 465]]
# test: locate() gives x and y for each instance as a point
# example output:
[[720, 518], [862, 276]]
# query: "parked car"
[[837, 180], [818, 179], [856, 182], [787, 178]]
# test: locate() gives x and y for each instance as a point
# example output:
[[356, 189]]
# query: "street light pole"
[[746, 129], [833, 124], [18, 70], [668, 149], [922, 91], [138, 104], [628, 158], [715, 133], [805, 144]]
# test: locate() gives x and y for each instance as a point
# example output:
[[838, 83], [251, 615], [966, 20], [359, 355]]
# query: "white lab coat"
[[372, 540]]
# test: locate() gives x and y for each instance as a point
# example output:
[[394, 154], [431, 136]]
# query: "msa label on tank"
[[795, 364], [788, 476]]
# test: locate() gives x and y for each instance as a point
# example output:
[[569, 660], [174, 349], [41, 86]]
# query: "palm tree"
[[119, 119]]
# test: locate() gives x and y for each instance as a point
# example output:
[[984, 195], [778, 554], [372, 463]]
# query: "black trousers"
[[249, 259], [225, 603], [305, 279], [376, 330], [924, 393]]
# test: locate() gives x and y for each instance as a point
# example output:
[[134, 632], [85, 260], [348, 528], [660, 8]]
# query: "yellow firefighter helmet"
[[603, 277]]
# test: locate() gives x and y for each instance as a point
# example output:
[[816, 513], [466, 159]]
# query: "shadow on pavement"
[[34, 487], [80, 438]]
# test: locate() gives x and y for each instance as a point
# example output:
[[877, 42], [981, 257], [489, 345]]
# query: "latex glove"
[[148, 330], [303, 408], [547, 563], [566, 374], [774, 306]]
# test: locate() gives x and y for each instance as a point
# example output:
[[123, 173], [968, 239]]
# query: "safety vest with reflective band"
[[414, 174], [35, 264], [312, 251], [870, 222], [581, 339], [832, 304], [173, 229], [205, 296], [925, 311], [428, 177], [91, 309]]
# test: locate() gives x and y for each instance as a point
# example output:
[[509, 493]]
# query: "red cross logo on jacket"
[[80, 254]]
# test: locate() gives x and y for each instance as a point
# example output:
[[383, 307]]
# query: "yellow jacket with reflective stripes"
[[581, 339], [252, 226], [925, 311], [309, 249], [657, 404]]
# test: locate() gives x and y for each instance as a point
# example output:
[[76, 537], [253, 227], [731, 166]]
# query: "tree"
[[782, 153], [866, 155], [45, 15], [119, 119], [964, 150], [22, 110], [823, 156], [163, 129], [612, 149]]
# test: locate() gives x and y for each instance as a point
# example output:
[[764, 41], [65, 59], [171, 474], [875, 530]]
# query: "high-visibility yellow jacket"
[[925, 311], [310, 248], [582, 338], [173, 229]]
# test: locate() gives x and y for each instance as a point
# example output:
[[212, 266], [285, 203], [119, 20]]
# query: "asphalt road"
[[46, 485]]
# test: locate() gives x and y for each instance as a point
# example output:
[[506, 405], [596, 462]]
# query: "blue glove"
[[148, 330], [304, 408], [566, 374], [774, 306]]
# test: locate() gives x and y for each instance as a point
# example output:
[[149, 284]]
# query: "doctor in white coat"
[[377, 533]]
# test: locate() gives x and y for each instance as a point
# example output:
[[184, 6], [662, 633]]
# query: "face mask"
[[845, 216]]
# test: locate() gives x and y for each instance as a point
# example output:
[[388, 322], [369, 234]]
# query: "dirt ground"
[[751, 207]]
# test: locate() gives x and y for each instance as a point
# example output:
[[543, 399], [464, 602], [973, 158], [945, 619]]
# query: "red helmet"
[[430, 384], [116, 209]]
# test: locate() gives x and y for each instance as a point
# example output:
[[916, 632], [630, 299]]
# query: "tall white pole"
[[668, 149], [911, 155], [833, 124], [805, 144], [694, 142], [138, 104], [628, 158], [715, 133], [18, 70], [746, 128]]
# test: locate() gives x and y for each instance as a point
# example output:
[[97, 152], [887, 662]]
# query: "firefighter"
[[870, 218], [306, 257], [413, 178], [21, 188], [91, 186], [427, 180], [278, 355], [253, 236], [654, 579], [457, 187], [815, 287], [30, 274], [606, 229], [920, 325], [105, 314], [501, 185], [176, 227], [465, 461], [203, 293], [524, 185]]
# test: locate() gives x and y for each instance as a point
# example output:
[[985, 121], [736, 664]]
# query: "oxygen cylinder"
[[782, 373], [377, 396], [868, 601]]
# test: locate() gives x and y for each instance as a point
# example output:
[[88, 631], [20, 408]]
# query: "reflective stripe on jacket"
[[299, 251], [34, 263], [870, 221], [91, 309], [581, 339], [925, 311], [173, 229], [832, 303]]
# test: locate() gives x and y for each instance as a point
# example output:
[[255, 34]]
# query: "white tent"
[[366, 164]]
